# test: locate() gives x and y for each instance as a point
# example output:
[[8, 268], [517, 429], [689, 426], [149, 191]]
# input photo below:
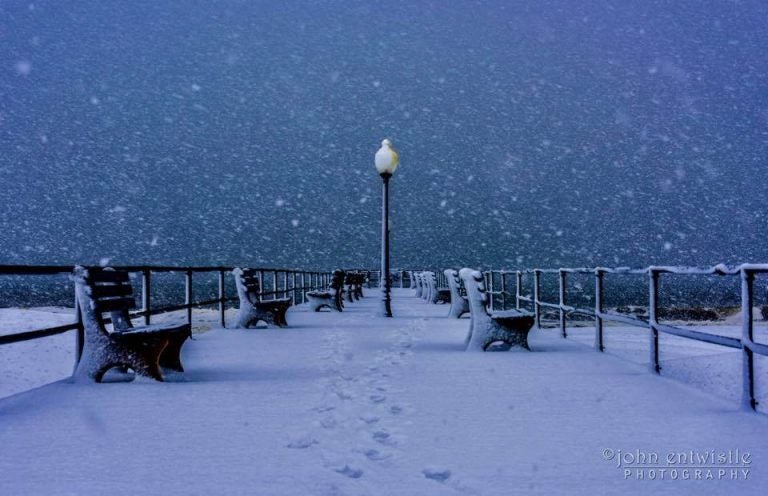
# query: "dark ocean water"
[[551, 133]]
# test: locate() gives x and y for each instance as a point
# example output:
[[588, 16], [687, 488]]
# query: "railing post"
[[80, 339], [145, 294], [293, 287], [536, 289], [285, 284], [490, 290], [518, 288], [747, 359], [274, 284], [653, 307], [599, 310], [188, 294], [503, 291], [222, 298], [561, 288], [261, 285]]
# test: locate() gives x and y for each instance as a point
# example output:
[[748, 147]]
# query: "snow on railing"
[[746, 343]]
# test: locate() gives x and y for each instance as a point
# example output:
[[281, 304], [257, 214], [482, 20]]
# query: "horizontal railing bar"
[[549, 305], [39, 333], [617, 317], [700, 336], [721, 270], [580, 311], [759, 348], [181, 306]]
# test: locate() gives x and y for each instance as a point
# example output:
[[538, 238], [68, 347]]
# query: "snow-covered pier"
[[349, 403]]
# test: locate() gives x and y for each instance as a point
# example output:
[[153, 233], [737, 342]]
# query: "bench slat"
[[97, 275], [111, 290], [114, 304], [150, 329]]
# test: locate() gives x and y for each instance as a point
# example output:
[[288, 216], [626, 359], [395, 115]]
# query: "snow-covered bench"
[[435, 294], [331, 298], [411, 280], [418, 284], [353, 285], [144, 349], [509, 328], [252, 307], [424, 286], [459, 303]]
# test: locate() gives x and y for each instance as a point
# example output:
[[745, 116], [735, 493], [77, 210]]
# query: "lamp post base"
[[386, 304]]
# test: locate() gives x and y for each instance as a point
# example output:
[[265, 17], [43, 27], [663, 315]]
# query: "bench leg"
[[280, 320], [170, 358], [509, 340], [143, 357], [483, 333]]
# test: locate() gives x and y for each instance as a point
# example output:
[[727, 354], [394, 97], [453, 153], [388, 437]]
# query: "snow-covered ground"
[[356, 404]]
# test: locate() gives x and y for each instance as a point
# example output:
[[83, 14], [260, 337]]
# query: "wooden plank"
[[115, 304], [97, 274], [110, 290]]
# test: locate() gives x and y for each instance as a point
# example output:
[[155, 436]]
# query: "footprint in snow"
[[382, 437], [343, 395], [328, 423], [436, 474], [352, 473], [370, 420], [302, 443], [323, 409], [376, 455], [395, 410], [377, 398]]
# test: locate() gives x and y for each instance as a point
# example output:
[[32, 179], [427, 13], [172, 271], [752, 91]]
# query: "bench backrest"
[[477, 296], [337, 279], [431, 283], [247, 283], [417, 282], [455, 284], [102, 289]]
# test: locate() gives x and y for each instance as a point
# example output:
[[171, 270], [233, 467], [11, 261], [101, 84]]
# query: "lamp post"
[[386, 161]]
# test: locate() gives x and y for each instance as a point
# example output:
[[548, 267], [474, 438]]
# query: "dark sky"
[[544, 133]]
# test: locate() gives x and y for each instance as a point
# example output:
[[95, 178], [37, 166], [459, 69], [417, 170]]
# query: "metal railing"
[[285, 283], [746, 343]]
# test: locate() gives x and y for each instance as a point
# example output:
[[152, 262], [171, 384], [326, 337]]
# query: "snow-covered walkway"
[[356, 404]]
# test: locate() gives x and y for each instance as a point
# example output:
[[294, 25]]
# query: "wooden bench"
[[417, 282], [459, 303], [353, 285], [331, 298], [509, 328], [145, 349], [252, 307], [435, 294]]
